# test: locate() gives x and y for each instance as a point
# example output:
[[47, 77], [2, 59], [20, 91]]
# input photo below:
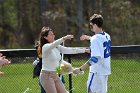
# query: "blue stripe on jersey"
[[90, 83], [102, 33], [106, 37], [94, 59]]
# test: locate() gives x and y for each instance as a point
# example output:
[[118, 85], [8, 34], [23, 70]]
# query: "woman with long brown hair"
[[50, 50]]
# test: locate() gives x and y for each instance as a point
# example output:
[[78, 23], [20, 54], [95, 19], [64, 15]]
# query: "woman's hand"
[[68, 37], [87, 50]]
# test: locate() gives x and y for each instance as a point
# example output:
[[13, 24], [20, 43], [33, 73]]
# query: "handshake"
[[66, 68]]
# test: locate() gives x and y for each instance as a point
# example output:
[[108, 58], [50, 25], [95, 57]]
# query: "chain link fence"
[[18, 77]]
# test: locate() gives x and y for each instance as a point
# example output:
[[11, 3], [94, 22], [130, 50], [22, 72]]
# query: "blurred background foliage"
[[21, 20]]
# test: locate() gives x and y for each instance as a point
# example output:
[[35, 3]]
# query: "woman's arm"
[[68, 50], [57, 42], [50, 46]]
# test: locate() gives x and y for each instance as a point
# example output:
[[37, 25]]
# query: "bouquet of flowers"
[[64, 68]]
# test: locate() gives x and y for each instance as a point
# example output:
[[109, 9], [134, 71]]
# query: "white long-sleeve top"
[[51, 54]]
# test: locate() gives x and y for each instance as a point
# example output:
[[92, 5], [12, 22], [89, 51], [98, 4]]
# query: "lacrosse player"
[[99, 61]]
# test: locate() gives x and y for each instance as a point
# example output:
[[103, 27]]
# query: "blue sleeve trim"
[[94, 59]]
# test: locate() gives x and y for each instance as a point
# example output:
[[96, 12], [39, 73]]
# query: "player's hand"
[[85, 37], [76, 71], [68, 37]]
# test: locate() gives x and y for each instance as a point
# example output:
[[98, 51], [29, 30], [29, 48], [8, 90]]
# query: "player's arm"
[[85, 37], [82, 68], [90, 62], [93, 60]]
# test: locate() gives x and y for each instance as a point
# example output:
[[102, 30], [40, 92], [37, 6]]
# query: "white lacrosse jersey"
[[100, 48]]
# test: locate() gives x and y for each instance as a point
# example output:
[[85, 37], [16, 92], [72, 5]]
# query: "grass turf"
[[124, 78]]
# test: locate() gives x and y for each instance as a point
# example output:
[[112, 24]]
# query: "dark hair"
[[97, 19], [42, 40]]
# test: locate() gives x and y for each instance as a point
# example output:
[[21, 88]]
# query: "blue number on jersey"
[[107, 46]]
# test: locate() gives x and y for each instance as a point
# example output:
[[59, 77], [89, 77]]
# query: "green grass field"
[[125, 78]]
